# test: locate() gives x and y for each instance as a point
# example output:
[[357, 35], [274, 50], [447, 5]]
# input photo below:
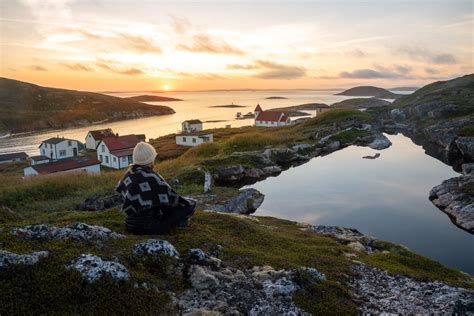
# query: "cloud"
[[243, 67], [372, 74], [77, 67], [131, 72], [137, 43], [38, 68], [204, 43], [275, 70], [180, 25], [357, 53], [428, 56]]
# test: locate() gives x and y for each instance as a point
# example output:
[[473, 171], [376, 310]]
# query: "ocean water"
[[386, 198], [195, 105]]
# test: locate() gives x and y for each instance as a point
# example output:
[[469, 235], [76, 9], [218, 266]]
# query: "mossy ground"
[[247, 241]]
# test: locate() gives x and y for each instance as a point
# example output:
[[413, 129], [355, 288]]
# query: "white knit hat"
[[143, 154]]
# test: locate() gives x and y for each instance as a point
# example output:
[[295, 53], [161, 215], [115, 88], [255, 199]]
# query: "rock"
[[246, 202], [375, 291], [230, 174], [356, 246], [397, 115], [331, 147], [315, 275], [201, 279], [271, 170], [254, 173], [9, 258], [466, 147], [380, 142], [78, 231], [93, 268], [377, 155], [467, 169], [452, 197], [207, 182], [153, 247]]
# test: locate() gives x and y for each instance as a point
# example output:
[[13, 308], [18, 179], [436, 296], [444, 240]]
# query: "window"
[[90, 135], [194, 140], [69, 143], [184, 139], [43, 151], [62, 153], [115, 159], [106, 159], [103, 148]]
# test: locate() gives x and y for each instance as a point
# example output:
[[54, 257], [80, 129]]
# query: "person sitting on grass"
[[150, 205]]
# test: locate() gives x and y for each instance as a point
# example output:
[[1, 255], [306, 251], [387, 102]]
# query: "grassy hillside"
[[370, 91], [28, 107]]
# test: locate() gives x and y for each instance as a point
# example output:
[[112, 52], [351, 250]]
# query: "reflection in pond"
[[386, 198]]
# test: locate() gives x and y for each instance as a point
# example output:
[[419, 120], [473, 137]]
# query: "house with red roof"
[[116, 151], [270, 118], [75, 164], [93, 138]]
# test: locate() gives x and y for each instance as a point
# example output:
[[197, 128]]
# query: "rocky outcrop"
[[455, 198], [78, 231], [217, 289], [246, 202], [376, 291], [380, 142], [154, 247], [9, 258], [93, 268]]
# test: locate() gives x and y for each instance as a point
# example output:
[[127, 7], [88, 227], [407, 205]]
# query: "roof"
[[201, 133], [258, 108], [193, 121], [102, 133], [122, 152], [21, 155], [40, 157], [56, 140], [121, 142], [65, 164], [271, 116]]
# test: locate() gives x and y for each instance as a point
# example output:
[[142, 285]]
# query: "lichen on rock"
[[93, 268], [8, 258], [153, 247], [77, 231]]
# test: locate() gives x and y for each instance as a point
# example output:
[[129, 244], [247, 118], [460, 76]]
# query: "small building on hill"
[[116, 152], [37, 160], [94, 137], [270, 118], [194, 138], [60, 148], [13, 157], [190, 126], [75, 164]]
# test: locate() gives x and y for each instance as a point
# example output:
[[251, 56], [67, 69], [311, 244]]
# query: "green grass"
[[467, 131], [349, 136]]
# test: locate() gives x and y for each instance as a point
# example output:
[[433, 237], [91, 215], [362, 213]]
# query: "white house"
[[191, 126], [194, 138], [60, 148], [75, 164], [116, 152], [93, 138], [37, 160], [13, 157], [270, 118]]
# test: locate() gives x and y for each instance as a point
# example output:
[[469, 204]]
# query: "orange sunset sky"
[[197, 45]]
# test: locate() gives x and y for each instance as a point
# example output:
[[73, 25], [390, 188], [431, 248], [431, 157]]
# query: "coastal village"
[[105, 148]]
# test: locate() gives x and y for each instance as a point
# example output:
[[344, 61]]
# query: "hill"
[[152, 98], [360, 103], [404, 89], [302, 107], [370, 91], [26, 107]]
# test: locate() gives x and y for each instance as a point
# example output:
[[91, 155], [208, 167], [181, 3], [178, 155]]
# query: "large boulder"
[[230, 174], [93, 268], [153, 247], [466, 147], [246, 202], [380, 142], [77, 231], [9, 258]]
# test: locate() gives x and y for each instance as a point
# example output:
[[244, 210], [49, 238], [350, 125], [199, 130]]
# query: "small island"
[[370, 91], [230, 106], [152, 98], [303, 107], [276, 98]]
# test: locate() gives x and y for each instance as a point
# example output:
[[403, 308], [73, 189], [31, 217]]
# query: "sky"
[[105, 45]]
